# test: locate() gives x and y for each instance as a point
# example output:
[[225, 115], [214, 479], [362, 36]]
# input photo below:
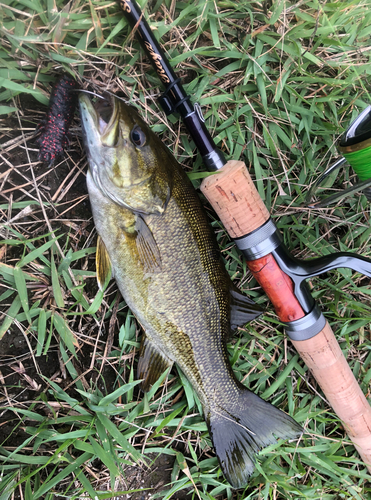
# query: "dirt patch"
[[152, 480]]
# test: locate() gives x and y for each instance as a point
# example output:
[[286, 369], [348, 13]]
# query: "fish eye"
[[138, 137]]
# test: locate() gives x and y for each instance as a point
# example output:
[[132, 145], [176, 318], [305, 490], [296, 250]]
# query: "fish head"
[[127, 161]]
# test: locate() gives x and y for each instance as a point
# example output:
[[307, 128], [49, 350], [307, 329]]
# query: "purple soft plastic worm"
[[55, 125]]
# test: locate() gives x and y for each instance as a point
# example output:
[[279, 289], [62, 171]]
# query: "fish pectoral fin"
[[243, 309], [149, 253], [152, 363], [103, 264]]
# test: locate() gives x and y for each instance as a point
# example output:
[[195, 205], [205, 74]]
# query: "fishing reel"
[[355, 146]]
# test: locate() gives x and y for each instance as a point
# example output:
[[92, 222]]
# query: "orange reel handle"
[[232, 194]]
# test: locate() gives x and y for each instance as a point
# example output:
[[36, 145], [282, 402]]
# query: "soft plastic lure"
[[54, 127]]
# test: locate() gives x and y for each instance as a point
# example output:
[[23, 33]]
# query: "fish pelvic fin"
[[103, 264], [152, 364], [239, 434], [243, 309]]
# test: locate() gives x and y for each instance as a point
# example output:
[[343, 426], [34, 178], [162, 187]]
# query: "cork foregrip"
[[324, 358], [232, 194]]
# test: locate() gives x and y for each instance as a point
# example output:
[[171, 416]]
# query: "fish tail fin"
[[239, 433]]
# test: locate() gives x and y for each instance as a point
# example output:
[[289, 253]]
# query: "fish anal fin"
[[149, 253], [243, 309], [103, 264], [152, 364]]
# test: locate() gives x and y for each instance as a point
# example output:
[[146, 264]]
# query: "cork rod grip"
[[232, 194], [237, 202], [324, 358]]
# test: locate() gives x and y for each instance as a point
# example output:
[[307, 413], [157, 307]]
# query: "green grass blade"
[[41, 332], [20, 283], [10, 316], [73, 467], [65, 333], [57, 290]]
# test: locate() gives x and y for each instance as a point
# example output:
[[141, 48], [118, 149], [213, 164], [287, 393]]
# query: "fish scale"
[[155, 237]]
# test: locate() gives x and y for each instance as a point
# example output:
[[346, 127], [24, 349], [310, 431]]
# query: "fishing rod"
[[174, 99], [235, 199], [355, 146]]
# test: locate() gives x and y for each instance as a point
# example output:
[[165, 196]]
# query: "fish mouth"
[[104, 110], [106, 125], [101, 117]]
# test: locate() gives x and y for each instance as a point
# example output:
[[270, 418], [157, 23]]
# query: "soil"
[[153, 480]]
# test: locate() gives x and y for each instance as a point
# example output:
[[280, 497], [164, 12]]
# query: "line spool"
[[355, 146]]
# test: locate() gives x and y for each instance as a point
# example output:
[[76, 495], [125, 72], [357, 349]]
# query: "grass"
[[278, 83]]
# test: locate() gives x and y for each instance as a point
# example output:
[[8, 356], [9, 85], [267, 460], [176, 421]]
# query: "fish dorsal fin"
[[149, 253], [103, 264], [243, 309], [152, 363]]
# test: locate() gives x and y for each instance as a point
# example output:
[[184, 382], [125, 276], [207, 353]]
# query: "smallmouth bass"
[[156, 239]]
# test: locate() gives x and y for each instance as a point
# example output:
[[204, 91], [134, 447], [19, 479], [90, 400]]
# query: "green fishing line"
[[361, 162]]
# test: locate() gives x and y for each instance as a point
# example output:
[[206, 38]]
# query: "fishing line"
[[89, 92], [111, 94], [360, 161], [355, 146]]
